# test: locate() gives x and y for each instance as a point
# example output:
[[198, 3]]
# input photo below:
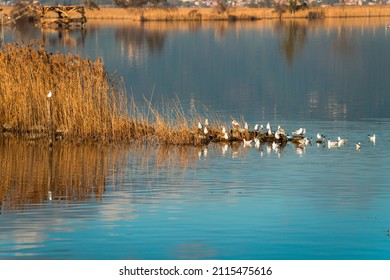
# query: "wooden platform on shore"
[[62, 16]]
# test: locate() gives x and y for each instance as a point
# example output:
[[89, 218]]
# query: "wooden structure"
[[63, 16]]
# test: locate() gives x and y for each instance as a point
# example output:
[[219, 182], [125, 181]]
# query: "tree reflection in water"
[[293, 39]]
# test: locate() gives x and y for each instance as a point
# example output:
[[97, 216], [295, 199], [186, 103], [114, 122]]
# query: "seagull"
[[205, 130], [281, 131], [206, 122], [332, 143], [341, 141], [235, 123], [358, 145], [50, 94], [256, 128], [223, 130], [298, 132], [268, 127], [246, 126], [320, 136], [372, 138], [305, 141], [199, 125]]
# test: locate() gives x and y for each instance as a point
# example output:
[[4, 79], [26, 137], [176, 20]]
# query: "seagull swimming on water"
[[358, 146], [332, 143], [341, 141], [372, 138]]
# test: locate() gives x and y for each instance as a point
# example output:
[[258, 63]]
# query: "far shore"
[[200, 14]]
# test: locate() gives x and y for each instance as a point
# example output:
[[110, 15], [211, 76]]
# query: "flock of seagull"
[[276, 138]]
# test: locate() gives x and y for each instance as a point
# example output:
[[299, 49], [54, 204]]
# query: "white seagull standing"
[[50, 94], [297, 132]]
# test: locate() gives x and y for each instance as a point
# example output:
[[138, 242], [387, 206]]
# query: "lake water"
[[216, 202]]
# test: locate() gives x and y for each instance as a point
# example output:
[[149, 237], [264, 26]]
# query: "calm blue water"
[[217, 202]]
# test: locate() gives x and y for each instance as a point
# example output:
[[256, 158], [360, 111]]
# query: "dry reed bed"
[[87, 104]]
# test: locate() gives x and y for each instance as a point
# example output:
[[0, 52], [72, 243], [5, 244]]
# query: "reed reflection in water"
[[32, 174]]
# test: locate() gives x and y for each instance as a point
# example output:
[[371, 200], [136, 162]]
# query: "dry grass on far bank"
[[182, 14]]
